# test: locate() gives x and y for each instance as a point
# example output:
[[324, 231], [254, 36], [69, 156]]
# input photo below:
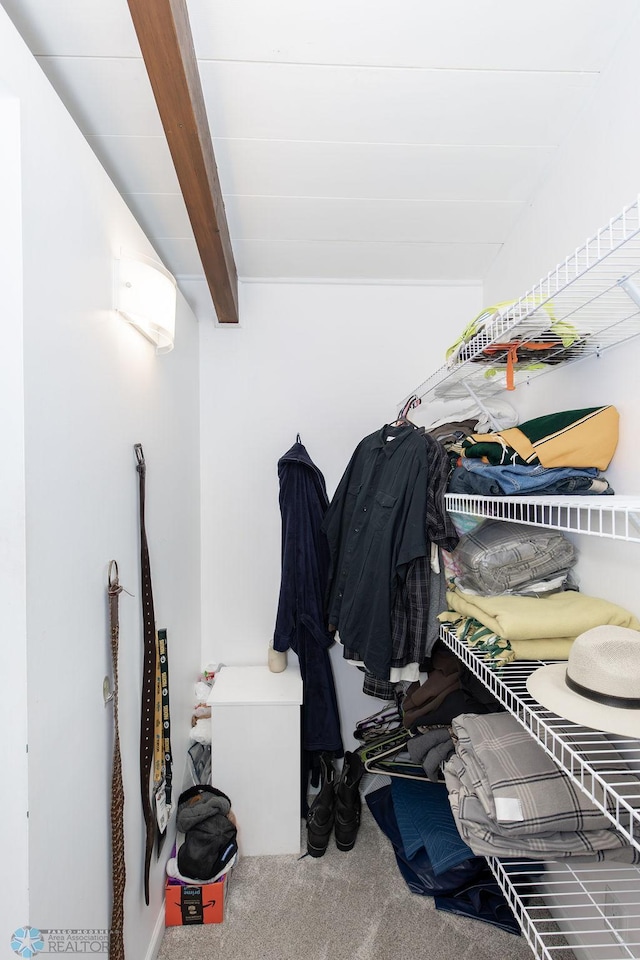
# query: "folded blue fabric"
[[418, 872], [426, 822]]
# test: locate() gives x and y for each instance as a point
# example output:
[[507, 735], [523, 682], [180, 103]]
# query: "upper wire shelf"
[[593, 291], [603, 765], [611, 517]]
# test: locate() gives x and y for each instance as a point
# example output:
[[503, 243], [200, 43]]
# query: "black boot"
[[321, 811], [348, 803]]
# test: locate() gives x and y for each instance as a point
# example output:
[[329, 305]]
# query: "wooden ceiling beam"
[[166, 42]]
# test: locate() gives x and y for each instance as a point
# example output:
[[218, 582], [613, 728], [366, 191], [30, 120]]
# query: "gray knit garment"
[[208, 832]]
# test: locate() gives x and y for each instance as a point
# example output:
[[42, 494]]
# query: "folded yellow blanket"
[[494, 649], [565, 614], [556, 648]]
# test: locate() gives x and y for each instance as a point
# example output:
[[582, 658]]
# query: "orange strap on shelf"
[[512, 354]]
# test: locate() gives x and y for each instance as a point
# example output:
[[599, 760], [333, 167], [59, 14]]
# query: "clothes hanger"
[[386, 720], [403, 416], [388, 755], [407, 770]]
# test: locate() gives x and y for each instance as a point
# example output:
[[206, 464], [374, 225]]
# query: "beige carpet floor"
[[343, 906]]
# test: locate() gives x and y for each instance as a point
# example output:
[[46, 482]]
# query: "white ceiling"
[[355, 139]]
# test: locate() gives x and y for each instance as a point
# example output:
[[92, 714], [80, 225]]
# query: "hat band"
[[608, 700]]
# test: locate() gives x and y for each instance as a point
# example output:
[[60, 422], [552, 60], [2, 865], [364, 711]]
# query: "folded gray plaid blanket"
[[509, 798], [502, 557]]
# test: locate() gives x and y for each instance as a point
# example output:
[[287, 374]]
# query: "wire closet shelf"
[[591, 299], [610, 517], [570, 911], [600, 763], [573, 914]]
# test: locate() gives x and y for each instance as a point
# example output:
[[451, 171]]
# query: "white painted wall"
[[330, 362], [14, 906], [596, 173], [93, 387]]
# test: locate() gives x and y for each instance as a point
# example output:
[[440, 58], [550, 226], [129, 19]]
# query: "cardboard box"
[[185, 905]]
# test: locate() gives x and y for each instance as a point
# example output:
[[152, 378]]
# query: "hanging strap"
[[162, 760], [158, 803], [148, 679], [118, 872], [166, 715], [158, 740]]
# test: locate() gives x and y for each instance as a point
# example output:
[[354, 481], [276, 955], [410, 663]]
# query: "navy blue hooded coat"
[[301, 623]]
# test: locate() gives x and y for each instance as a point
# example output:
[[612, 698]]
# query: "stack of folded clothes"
[[510, 799], [554, 455], [500, 557], [431, 749], [534, 628], [486, 480], [429, 707], [450, 689]]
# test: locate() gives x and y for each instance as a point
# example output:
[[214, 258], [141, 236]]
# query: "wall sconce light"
[[145, 295]]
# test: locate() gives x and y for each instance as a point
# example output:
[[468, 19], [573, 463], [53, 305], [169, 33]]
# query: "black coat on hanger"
[[301, 623]]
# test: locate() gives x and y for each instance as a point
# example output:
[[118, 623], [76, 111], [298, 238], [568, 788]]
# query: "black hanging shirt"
[[375, 526]]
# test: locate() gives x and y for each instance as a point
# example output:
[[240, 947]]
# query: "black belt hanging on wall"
[[147, 716], [118, 872]]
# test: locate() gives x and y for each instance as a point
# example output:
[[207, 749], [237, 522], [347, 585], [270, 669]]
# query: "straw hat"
[[599, 685]]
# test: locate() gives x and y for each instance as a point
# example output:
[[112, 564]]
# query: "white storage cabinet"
[[255, 754]]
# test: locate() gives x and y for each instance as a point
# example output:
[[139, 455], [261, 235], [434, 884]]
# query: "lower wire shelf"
[[583, 911], [590, 911], [603, 765]]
